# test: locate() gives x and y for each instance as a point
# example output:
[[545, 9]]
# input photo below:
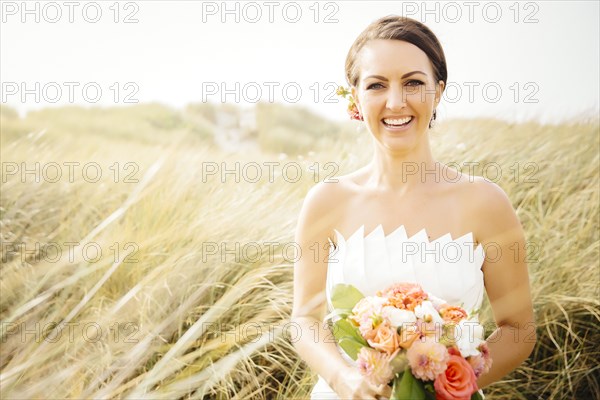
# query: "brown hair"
[[399, 28]]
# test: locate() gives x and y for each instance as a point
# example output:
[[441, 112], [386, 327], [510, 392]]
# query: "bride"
[[396, 69]]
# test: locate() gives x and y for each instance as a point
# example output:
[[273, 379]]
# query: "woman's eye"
[[374, 85], [414, 82]]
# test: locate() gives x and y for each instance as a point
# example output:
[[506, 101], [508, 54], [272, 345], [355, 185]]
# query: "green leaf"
[[400, 362], [429, 390], [351, 347], [476, 396], [343, 328], [349, 338], [407, 387], [345, 296]]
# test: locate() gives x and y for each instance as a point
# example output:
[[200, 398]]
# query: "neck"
[[402, 171]]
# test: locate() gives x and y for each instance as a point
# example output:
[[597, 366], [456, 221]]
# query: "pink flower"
[[385, 338], [354, 113], [427, 359], [478, 365], [482, 362], [352, 108], [458, 381], [453, 313], [485, 354], [367, 314], [375, 365], [405, 296]]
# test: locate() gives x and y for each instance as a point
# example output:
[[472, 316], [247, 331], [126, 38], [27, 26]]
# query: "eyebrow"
[[402, 77]]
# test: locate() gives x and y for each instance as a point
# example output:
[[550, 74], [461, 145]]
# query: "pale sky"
[[542, 56]]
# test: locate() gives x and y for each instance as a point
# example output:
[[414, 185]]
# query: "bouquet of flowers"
[[406, 337]]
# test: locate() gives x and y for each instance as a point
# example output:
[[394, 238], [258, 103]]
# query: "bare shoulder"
[[324, 193], [492, 210], [323, 196], [484, 191], [482, 197], [489, 197], [321, 210]]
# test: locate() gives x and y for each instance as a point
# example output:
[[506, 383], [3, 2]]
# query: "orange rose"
[[385, 338], [458, 382], [453, 313], [405, 296]]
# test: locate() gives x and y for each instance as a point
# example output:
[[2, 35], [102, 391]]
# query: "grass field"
[[132, 267]]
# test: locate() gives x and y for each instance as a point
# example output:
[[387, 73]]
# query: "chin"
[[397, 143]]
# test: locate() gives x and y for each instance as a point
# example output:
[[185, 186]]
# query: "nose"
[[396, 99]]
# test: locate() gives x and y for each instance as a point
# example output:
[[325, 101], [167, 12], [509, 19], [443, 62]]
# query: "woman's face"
[[396, 92]]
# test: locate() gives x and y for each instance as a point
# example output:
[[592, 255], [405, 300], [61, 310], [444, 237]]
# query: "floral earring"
[[352, 108]]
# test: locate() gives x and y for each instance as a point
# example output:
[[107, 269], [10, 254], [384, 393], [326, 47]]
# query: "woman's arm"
[[315, 343], [506, 282]]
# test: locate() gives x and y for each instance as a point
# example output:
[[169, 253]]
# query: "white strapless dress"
[[446, 267]]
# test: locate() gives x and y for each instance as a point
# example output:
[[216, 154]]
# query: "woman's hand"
[[351, 384]]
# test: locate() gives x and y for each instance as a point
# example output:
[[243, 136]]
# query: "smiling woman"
[[397, 92], [397, 72]]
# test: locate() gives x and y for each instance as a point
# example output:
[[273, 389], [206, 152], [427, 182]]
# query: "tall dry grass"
[[176, 319]]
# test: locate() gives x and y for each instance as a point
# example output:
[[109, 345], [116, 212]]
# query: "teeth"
[[402, 121]]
